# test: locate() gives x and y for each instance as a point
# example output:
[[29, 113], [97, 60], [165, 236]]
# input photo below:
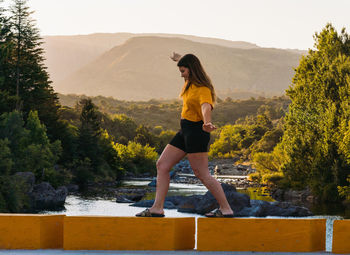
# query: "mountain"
[[140, 69], [67, 54]]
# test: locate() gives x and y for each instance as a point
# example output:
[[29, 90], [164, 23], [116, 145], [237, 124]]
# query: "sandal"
[[217, 213], [148, 213]]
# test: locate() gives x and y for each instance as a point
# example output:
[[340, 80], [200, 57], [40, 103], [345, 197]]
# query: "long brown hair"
[[197, 75]]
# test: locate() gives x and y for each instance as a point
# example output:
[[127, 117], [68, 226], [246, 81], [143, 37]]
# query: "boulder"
[[126, 195], [72, 188], [294, 196], [45, 197], [202, 204], [149, 203], [123, 199]]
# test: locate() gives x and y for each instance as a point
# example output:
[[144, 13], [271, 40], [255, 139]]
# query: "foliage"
[[12, 198], [166, 113], [315, 139], [97, 158], [6, 162], [344, 191], [137, 158], [272, 178], [27, 146], [238, 140]]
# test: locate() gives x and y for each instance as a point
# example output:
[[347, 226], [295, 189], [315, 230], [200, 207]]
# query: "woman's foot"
[[147, 213], [217, 213]]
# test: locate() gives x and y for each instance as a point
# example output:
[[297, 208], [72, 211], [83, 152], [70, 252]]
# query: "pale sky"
[[267, 23]]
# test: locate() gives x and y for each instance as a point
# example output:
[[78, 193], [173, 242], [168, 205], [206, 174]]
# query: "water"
[[76, 206]]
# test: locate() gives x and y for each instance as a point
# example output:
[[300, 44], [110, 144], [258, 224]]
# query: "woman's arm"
[[206, 112]]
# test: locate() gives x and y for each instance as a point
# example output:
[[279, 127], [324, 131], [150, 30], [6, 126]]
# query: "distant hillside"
[[166, 113], [66, 54], [140, 69]]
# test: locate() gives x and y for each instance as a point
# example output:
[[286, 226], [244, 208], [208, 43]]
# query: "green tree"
[[30, 148], [6, 162], [137, 158], [144, 136], [314, 139], [7, 101], [89, 133], [41, 154], [25, 75], [228, 143]]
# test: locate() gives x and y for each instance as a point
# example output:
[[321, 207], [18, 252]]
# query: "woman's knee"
[[201, 175], [162, 167]]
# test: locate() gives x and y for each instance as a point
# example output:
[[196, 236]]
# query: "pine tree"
[[7, 102], [26, 76], [89, 134]]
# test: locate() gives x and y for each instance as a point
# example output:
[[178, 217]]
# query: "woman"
[[192, 140]]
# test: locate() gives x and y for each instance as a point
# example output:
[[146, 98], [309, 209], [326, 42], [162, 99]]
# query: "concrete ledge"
[[31, 231], [263, 235], [341, 236], [128, 233]]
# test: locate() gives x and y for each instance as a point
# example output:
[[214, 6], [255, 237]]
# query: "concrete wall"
[[341, 236], [128, 233], [32, 231], [263, 235]]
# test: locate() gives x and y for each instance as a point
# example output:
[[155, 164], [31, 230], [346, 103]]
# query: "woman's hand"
[[208, 127], [176, 57]]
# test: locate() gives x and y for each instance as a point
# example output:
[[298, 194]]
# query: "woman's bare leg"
[[169, 157], [199, 164]]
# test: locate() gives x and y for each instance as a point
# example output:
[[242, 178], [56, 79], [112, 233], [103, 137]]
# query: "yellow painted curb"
[[128, 233], [263, 235], [341, 236], [31, 231]]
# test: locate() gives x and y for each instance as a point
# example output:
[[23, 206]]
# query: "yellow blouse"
[[193, 98]]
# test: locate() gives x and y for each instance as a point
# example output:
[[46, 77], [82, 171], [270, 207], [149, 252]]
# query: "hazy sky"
[[267, 23]]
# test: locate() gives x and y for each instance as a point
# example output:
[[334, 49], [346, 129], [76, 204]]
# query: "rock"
[[202, 204], [72, 188], [149, 203], [131, 191], [125, 195], [61, 195], [294, 196], [123, 199], [176, 200], [255, 210], [189, 205], [45, 197], [231, 169], [143, 203], [26, 180], [153, 183]]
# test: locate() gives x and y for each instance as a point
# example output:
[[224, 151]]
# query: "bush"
[[344, 191], [12, 198], [272, 178], [254, 177], [137, 158]]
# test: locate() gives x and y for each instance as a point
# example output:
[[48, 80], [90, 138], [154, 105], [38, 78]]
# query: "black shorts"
[[191, 138]]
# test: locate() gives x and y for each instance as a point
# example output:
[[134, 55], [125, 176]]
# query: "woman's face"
[[185, 72]]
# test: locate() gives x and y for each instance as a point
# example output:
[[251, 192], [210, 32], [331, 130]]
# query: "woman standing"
[[192, 140]]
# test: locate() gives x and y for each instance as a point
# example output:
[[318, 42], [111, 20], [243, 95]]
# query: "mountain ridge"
[[133, 70]]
